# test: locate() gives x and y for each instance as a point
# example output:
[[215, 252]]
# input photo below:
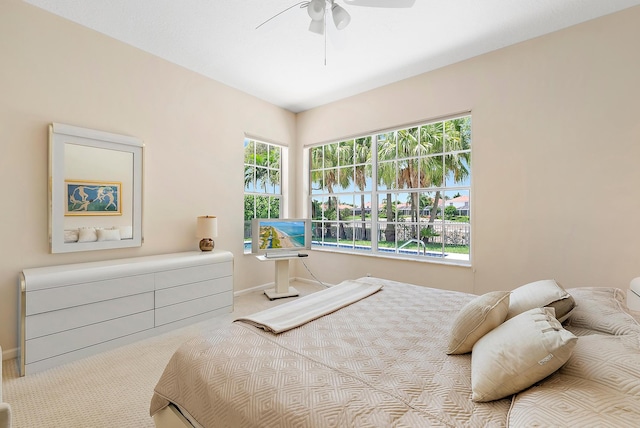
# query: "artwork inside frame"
[[93, 197]]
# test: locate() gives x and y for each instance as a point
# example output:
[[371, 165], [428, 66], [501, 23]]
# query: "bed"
[[410, 356]]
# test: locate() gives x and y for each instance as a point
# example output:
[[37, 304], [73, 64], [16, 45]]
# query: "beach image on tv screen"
[[281, 235]]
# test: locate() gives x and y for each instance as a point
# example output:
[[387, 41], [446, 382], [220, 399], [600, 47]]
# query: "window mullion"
[[374, 194]]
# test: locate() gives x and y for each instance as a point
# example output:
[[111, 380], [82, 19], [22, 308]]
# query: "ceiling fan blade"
[[302, 5], [381, 3]]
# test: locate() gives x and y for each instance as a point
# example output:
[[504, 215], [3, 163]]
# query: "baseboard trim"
[[272, 284], [312, 281], [9, 354], [252, 289]]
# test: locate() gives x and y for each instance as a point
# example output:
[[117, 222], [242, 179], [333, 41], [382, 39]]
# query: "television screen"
[[282, 235]]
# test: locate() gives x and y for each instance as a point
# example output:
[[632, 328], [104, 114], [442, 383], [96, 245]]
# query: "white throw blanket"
[[298, 312]]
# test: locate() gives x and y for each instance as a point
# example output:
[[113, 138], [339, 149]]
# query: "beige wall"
[[556, 143], [55, 71], [556, 155]]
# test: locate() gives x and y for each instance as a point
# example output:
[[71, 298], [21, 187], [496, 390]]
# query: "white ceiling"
[[283, 63]]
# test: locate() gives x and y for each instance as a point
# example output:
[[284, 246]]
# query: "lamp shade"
[[317, 26], [341, 17], [315, 8], [207, 227]]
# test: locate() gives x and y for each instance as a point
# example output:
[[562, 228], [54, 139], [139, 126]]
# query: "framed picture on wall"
[[93, 197]]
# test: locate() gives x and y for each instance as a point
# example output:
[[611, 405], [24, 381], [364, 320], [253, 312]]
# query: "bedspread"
[[380, 362]]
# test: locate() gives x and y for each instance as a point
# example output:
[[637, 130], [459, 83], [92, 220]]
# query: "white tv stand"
[[282, 277]]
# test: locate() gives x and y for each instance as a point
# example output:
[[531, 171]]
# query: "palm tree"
[[412, 165], [264, 162], [344, 177], [387, 175], [325, 173], [456, 139], [421, 163], [261, 168], [316, 163], [362, 160]]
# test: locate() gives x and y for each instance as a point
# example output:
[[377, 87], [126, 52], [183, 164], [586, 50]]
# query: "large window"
[[262, 184], [404, 192]]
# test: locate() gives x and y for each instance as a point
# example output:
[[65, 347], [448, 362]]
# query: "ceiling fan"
[[317, 10]]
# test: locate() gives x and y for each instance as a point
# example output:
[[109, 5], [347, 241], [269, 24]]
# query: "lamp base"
[[207, 244]]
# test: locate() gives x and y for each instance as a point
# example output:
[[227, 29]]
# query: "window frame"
[[454, 233], [280, 195]]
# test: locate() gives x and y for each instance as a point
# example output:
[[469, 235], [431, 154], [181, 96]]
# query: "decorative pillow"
[[518, 353], [108, 234], [71, 235], [602, 310], [598, 386], [87, 234], [539, 294], [477, 318]]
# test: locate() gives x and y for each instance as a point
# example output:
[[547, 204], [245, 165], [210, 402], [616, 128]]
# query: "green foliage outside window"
[[262, 186], [421, 189]]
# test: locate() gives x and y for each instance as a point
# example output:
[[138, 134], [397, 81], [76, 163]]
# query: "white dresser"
[[72, 311]]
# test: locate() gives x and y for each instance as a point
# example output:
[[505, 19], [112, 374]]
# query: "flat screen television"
[[280, 235]]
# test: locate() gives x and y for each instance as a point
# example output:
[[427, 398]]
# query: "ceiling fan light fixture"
[[317, 26], [315, 8], [341, 17]]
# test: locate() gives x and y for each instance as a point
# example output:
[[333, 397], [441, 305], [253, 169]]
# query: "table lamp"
[[207, 229]]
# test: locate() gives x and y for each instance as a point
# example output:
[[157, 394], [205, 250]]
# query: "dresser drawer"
[[71, 340], [176, 277], [183, 310], [67, 319], [52, 299], [173, 295]]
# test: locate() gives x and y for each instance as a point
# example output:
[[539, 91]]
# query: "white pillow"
[[539, 294], [602, 310], [126, 232], [476, 318], [71, 235], [87, 234], [108, 234], [518, 353]]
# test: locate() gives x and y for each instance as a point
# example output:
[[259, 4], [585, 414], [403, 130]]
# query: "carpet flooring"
[[113, 388]]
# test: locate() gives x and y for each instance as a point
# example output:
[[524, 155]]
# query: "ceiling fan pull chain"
[[325, 40]]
